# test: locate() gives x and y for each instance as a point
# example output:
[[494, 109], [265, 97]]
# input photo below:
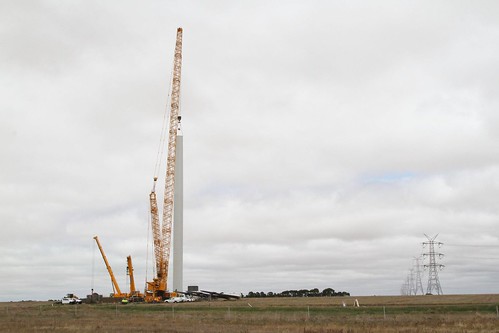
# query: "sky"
[[322, 141]]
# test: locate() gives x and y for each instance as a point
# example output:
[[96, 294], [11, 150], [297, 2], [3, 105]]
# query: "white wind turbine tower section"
[[178, 215]]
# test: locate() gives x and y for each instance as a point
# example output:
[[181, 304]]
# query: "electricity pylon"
[[410, 279], [404, 289], [418, 284], [433, 267]]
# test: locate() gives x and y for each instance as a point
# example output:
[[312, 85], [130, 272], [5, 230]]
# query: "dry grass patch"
[[441, 314]]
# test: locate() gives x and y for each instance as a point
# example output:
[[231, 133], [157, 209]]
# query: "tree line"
[[299, 293]]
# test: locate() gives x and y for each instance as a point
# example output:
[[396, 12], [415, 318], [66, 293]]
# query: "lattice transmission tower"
[[418, 284], [411, 282], [405, 288], [433, 266]]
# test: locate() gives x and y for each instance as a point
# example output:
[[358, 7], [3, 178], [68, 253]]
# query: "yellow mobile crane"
[[133, 295], [116, 289], [156, 290]]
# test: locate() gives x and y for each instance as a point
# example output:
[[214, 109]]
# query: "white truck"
[[71, 299], [179, 299]]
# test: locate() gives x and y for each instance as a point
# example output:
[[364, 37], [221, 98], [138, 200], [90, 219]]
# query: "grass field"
[[453, 313]]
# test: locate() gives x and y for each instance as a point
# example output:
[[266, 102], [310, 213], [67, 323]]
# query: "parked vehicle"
[[71, 299], [179, 299]]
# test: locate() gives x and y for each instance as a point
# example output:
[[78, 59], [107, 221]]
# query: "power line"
[[473, 245], [481, 258]]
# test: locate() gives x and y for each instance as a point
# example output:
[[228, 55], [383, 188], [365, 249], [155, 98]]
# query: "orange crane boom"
[[116, 289], [156, 289], [129, 268]]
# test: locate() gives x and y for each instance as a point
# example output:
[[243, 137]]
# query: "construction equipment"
[[134, 295], [116, 289], [156, 290]]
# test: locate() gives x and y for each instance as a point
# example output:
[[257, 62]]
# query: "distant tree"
[[303, 292], [342, 293], [328, 292], [314, 292]]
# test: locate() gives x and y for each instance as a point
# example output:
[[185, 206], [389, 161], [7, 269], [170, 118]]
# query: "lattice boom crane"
[[156, 289]]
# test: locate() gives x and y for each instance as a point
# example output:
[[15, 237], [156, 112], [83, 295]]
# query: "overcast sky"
[[322, 140]]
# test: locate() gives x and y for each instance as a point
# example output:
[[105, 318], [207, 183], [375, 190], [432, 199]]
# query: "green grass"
[[377, 314], [308, 311]]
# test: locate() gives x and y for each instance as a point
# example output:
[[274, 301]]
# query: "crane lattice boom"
[[162, 233], [166, 230], [156, 230]]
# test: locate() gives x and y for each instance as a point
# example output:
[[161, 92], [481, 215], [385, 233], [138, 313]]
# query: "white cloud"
[[321, 141]]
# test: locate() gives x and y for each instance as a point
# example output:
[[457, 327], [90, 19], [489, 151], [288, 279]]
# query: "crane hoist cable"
[[162, 137], [154, 220], [93, 266], [147, 247]]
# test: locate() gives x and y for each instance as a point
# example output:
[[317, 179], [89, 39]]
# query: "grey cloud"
[[321, 141]]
